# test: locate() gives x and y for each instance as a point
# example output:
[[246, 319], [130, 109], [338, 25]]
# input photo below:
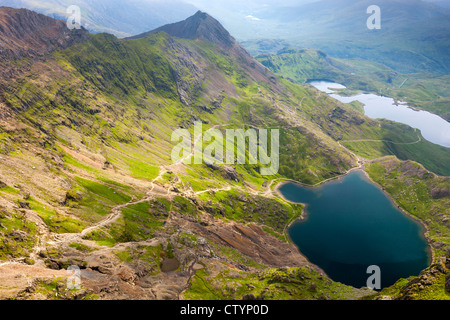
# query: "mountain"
[[200, 26], [119, 17], [25, 34], [86, 168], [413, 36], [87, 178]]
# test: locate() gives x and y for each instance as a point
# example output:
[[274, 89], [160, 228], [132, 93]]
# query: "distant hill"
[[422, 90], [414, 35]]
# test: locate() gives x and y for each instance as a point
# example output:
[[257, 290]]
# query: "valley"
[[87, 179]]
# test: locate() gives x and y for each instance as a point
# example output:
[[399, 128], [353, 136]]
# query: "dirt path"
[[397, 143], [228, 188], [115, 214]]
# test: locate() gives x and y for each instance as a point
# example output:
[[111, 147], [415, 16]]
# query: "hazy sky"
[[244, 5]]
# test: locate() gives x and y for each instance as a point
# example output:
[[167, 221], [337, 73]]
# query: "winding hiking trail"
[[116, 211], [158, 188], [419, 139], [268, 192], [115, 214]]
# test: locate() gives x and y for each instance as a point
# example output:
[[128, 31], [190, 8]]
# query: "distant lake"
[[433, 128], [350, 225]]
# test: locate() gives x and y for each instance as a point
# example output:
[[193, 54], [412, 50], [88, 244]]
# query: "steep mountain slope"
[[24, 34], [413, 38], [87, 177], [203, 27], [119, 17]]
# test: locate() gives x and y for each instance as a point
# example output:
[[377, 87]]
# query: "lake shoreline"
[[424, 232], [433, 127]]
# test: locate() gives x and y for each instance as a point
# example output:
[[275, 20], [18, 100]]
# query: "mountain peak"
[[200, 26], [25, 33]]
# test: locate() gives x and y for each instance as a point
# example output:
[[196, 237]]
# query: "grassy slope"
[[415, 191], [106, 138], [426, 91], [301, 65]]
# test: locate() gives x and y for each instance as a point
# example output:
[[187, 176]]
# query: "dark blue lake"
[[351, 224]]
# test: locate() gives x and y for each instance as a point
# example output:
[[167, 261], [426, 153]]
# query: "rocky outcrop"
[[229, 173], [187, 72], [409, 168], [440, 192], [201, 26], [428, 277], [250, 240], [27, 34]]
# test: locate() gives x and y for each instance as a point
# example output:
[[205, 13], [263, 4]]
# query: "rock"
[[24, 204], [61, 287], [80, 294], [447, 283], [72, 196], [18, 235], [229, 173], [249, 296], [52, 264], [410, 168], [126, 274], [438, 193]]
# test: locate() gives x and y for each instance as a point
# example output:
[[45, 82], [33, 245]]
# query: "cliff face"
[[27, 34], [202, 27]]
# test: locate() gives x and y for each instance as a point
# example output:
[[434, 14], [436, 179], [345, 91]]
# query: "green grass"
[[137, 223], [142, 170], [413, 193], [99, 198], [81, 247], [270, 284], [238, 257], [432, 156], [243, 207], [57, 222], [17, 235]]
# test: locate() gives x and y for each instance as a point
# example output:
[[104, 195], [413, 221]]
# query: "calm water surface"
[[433, 128], [350, 225]]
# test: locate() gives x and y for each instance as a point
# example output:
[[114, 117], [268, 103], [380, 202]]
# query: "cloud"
[[252, 18]]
